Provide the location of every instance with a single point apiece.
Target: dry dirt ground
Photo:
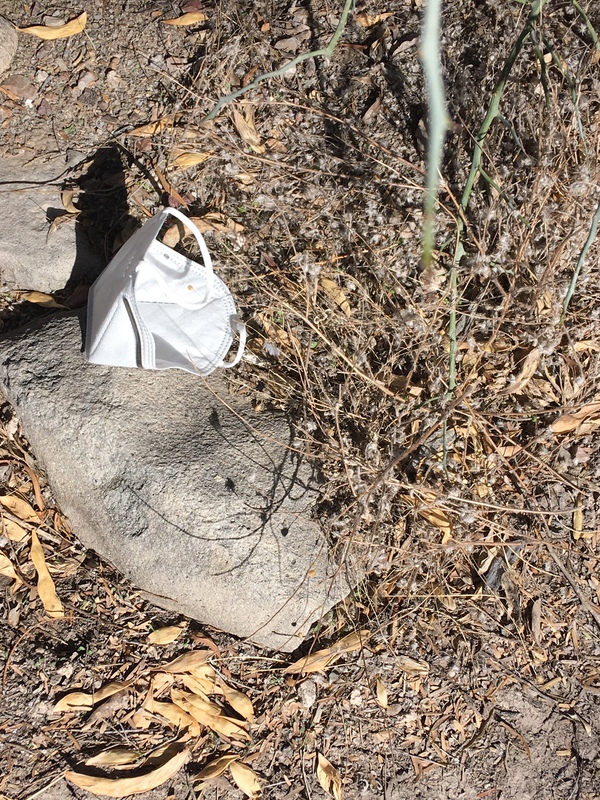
(480, 674)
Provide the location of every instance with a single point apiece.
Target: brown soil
(484, 613)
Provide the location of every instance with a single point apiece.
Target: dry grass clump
(318, 179)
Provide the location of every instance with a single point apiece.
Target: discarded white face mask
(156, 309)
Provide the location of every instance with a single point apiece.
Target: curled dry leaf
(123, 787)
(166, 635)
(329, 777)
(576, 420)
(85, 701)
(70, 28)
(216, 767)
(246, 779)
(41, 299)
(45, 585)
(66, 198)
(321, 659)
(338, 296)
(191, 18)
(247, 130)
(20, 508)
(530, 365)
(366, 20)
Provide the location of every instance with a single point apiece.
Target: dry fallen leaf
(66, 198)
(153, 127)
(382, 695)
(211, 221)
(122, 787)
(238, 701)
(247, 130)
(275, 332)
(329, 777)
(41, 299)
(435, 515)
(338, 296)
(174, 715)
(6, 568)
(367, 20)
(185, 160)
(115, 757)
(216, 767)
(530, 365)
(410, 665)
(570, 422)
(215, 221)
(13, 530)
(20, 508)
(45, 585)
(84, 701)
(60, 32)
(166, 635)
(191, 18)
(578, 518)
(209, 714)
(187, 662)
(201, 686)
(246, 779)
(319, 660)
(509, 450)
(200, 707)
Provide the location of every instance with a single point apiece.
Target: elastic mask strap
(240, 329)
(201, 243)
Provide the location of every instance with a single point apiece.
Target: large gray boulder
(200, 501)
(32, 256)
(8, 44)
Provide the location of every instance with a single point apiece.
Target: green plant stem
(588, 24)
(580, 261)
(492, 113)
(325, 52)
(494, 107)
(438, 122)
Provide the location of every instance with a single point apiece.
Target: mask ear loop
(202, 245)
(239, 328)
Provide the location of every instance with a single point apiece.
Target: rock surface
(8, 44)
(199, 501)
(32, 256)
